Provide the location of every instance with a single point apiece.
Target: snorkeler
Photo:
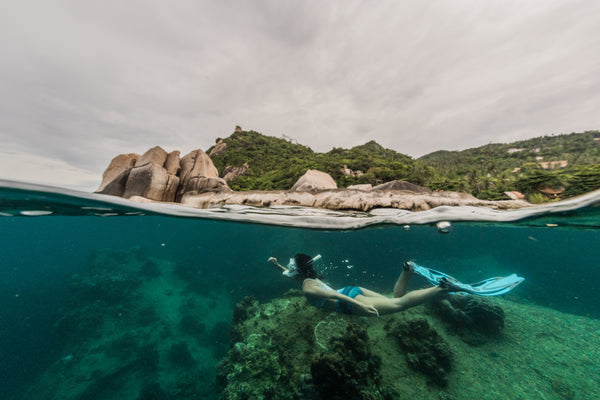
(355, 299)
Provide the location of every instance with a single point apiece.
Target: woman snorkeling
(355, 299)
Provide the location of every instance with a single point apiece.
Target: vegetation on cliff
(563, 165)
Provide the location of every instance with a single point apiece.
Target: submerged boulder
(425, 350)
(474, 319)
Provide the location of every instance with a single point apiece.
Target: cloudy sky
(82, 81)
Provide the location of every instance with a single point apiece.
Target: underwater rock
(308, 353)
(242, 310)
(474, 319)
(425, 350)
(330, 329)
(80, 324)
(349, 370)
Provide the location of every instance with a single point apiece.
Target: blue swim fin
(489, 287)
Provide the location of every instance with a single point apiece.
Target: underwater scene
(102, 298)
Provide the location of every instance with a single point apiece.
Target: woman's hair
(304, 264)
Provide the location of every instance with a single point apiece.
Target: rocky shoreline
(193, 181)
(346, 200)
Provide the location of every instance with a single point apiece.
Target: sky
(82, 81)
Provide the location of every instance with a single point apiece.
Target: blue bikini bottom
(344, 307)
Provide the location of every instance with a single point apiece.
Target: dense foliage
(525, 166)
(486, 171)
(277, 164)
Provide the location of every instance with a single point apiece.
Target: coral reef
(426, 351)
(135, 329)
(349, 370)
(288, 350)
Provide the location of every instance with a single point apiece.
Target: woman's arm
(274, 261)
(314, 289)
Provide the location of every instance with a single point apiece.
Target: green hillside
(526, 166)
(486, 171)
(276, 163)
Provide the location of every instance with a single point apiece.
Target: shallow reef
(142, 328)
(461, 347)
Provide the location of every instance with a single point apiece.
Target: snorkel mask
(292, 268)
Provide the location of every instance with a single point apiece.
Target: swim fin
(488, 287)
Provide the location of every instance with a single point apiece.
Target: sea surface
(73, 264)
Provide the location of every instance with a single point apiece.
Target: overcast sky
(83, 81)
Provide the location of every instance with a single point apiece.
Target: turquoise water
(72, 264)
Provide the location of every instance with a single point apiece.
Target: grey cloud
(84, 81)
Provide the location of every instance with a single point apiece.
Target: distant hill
(563, 165)
(575, 148)
(276, 163)
(567, 163)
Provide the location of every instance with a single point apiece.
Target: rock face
(119, 168)
(344, 199)
(160, 176)
(230, 172)
(220, 148)
(365, 187)
(402, 185)
(314, 180)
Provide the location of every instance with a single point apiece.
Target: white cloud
(41, 170)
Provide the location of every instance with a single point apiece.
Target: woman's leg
(388, 306)
(402, 283)
(370, 293)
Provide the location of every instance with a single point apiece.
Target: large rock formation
(161, 176)
(314, 180)
(194, 181)
(344, 199)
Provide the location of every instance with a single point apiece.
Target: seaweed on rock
(288, 350)
(425, 350)
(474, 319)
(349, 370)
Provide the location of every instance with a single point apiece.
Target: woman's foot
(408, 266)
(449, 285)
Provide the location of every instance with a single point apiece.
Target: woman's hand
(370, 309)
(272, 260)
